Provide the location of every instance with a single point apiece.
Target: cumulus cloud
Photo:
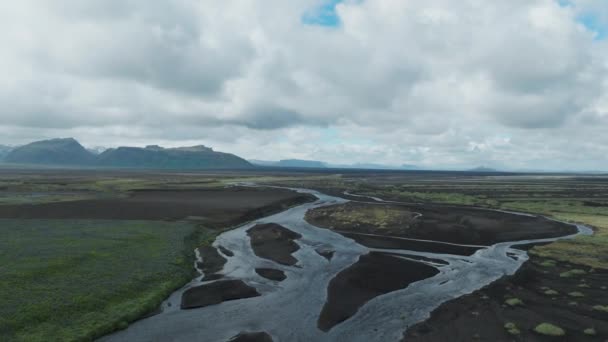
(429, 82)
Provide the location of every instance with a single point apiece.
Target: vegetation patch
(572, 273)
(602, 308)
(512, 328)
(549, 329)
(576, 294)
(514, 302)
(66, 280)
(590, 332)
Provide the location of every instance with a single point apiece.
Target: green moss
(551, 292)
(514, 302)
(602, 308)
(548, 263)
(576, 294)
(512, 328)
(549, 329)
(572, 273)
(590, 332)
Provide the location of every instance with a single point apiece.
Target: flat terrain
(451, 224)
(213, 207)
(85, 253)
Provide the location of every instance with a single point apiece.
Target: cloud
(413, 81)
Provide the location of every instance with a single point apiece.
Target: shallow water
(289, 310)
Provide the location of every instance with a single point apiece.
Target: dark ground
(547, 294)
(212, 263)
(451, 224)
(252, 337)
(216, 293)
(215, 207)
(271, 273)
(373, 275)
(274, 242)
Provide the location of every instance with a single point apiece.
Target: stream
(289, 310)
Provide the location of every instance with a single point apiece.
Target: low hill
(51, 152)
(156, 157)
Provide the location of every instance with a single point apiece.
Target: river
(289, 310)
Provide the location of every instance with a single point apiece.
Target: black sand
(274, 242)
(373, 275)
(271, 273)
(216, 293)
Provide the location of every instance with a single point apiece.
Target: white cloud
(401, 81)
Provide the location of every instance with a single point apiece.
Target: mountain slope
(4, 151)
(51, 152)
(156, 157)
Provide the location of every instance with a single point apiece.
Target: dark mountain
(156, 157)
(51, 152)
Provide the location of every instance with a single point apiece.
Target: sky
(518, 84)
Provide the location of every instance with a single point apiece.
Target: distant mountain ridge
(69, 152)
(299, 163)
(51, 152)
(194, 157)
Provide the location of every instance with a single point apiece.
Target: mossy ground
(77, 280)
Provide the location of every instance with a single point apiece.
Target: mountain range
(69, 152)
(299, 163)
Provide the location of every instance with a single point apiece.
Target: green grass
(380, 216)
(79, 279)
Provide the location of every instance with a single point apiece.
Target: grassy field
(79, 279)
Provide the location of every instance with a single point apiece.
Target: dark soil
(389, 242)
(216, 293)
(482, 315)
(252, 337)
(226, 251)
(373, 275)
(215, 207)
(326, 253)
(454, 224)
(274, 242)
(271, 273)
(213, 261)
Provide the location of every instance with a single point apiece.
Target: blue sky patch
(325, 15)
(591, 21)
